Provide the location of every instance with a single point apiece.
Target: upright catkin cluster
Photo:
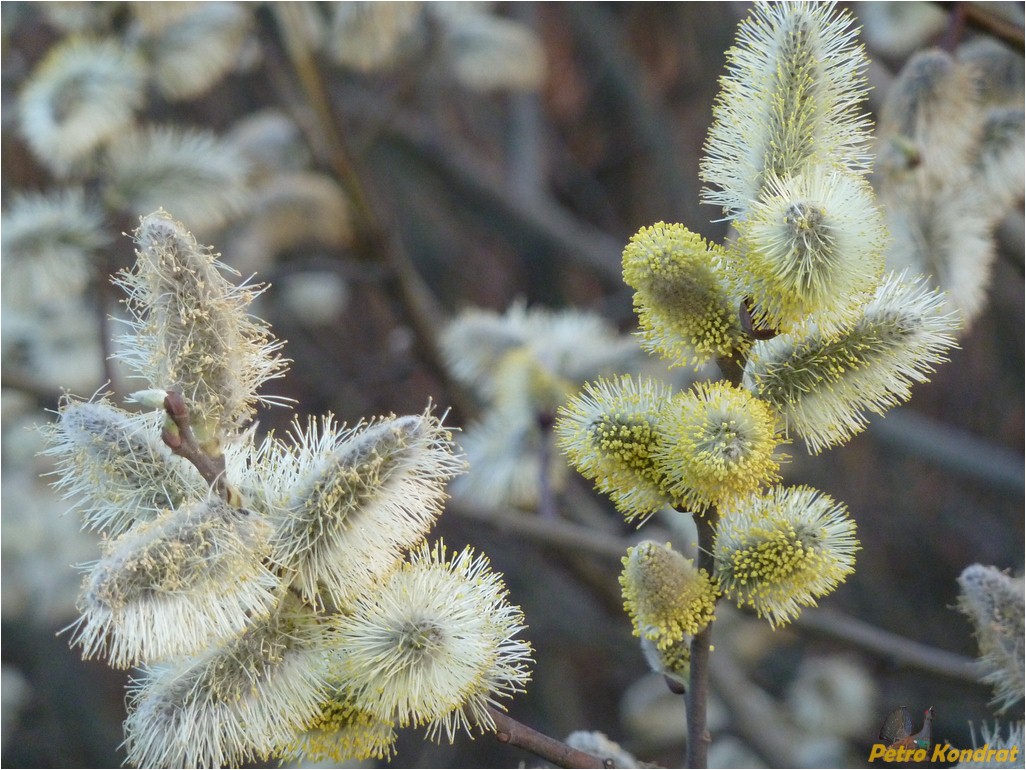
(810, 334)
(278, 597)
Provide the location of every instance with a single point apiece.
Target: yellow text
(943, 752)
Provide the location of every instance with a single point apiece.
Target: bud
(811, 248)
(240, 702)
(569, 344)
(674, 662)
(193, 49)
(115, 464)
(833, 695)
(476, 340)
(291, 210)
(201, 177)
(998, 160)
(340, 733)
(934, 105)
(791, 98)
(83, 94)
(782, 549)
(191, 332)
(166, 588)
(47, 242)
(667, 597)
(487, 52)
(599, 745)
(896, 30)
(523, 383)
(951, 162)
(946, 236)
(151, 398)
(997, 68)
(369, 37)
(823, 386)
(504, 453)
(1008, 737)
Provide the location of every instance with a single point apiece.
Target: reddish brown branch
(509, 730)
(983, 18)
(697, 699)
(182, 441)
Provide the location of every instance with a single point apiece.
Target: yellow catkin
(666, 596)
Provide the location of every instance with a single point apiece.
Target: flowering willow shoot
(808, 332)
(717, 443)
(951, 166)
(264, 587)
(524, 364)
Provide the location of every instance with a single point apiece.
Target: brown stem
(182, 442)
(731, 369)
(898, 649)
(554, 532)
(509, 730)
(982, 18)
(956, 27)
(697, 699)
(540, 218)
(697, 696)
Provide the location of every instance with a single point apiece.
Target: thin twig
(979, 16)
(956, 26)
(891, 646)
(509, 730)
(697, 696)
(951, 449)
(555, 532)
(731, 369)
(375, 242)
(182, 442)
(540, 218)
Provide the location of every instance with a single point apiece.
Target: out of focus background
(387, 167)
